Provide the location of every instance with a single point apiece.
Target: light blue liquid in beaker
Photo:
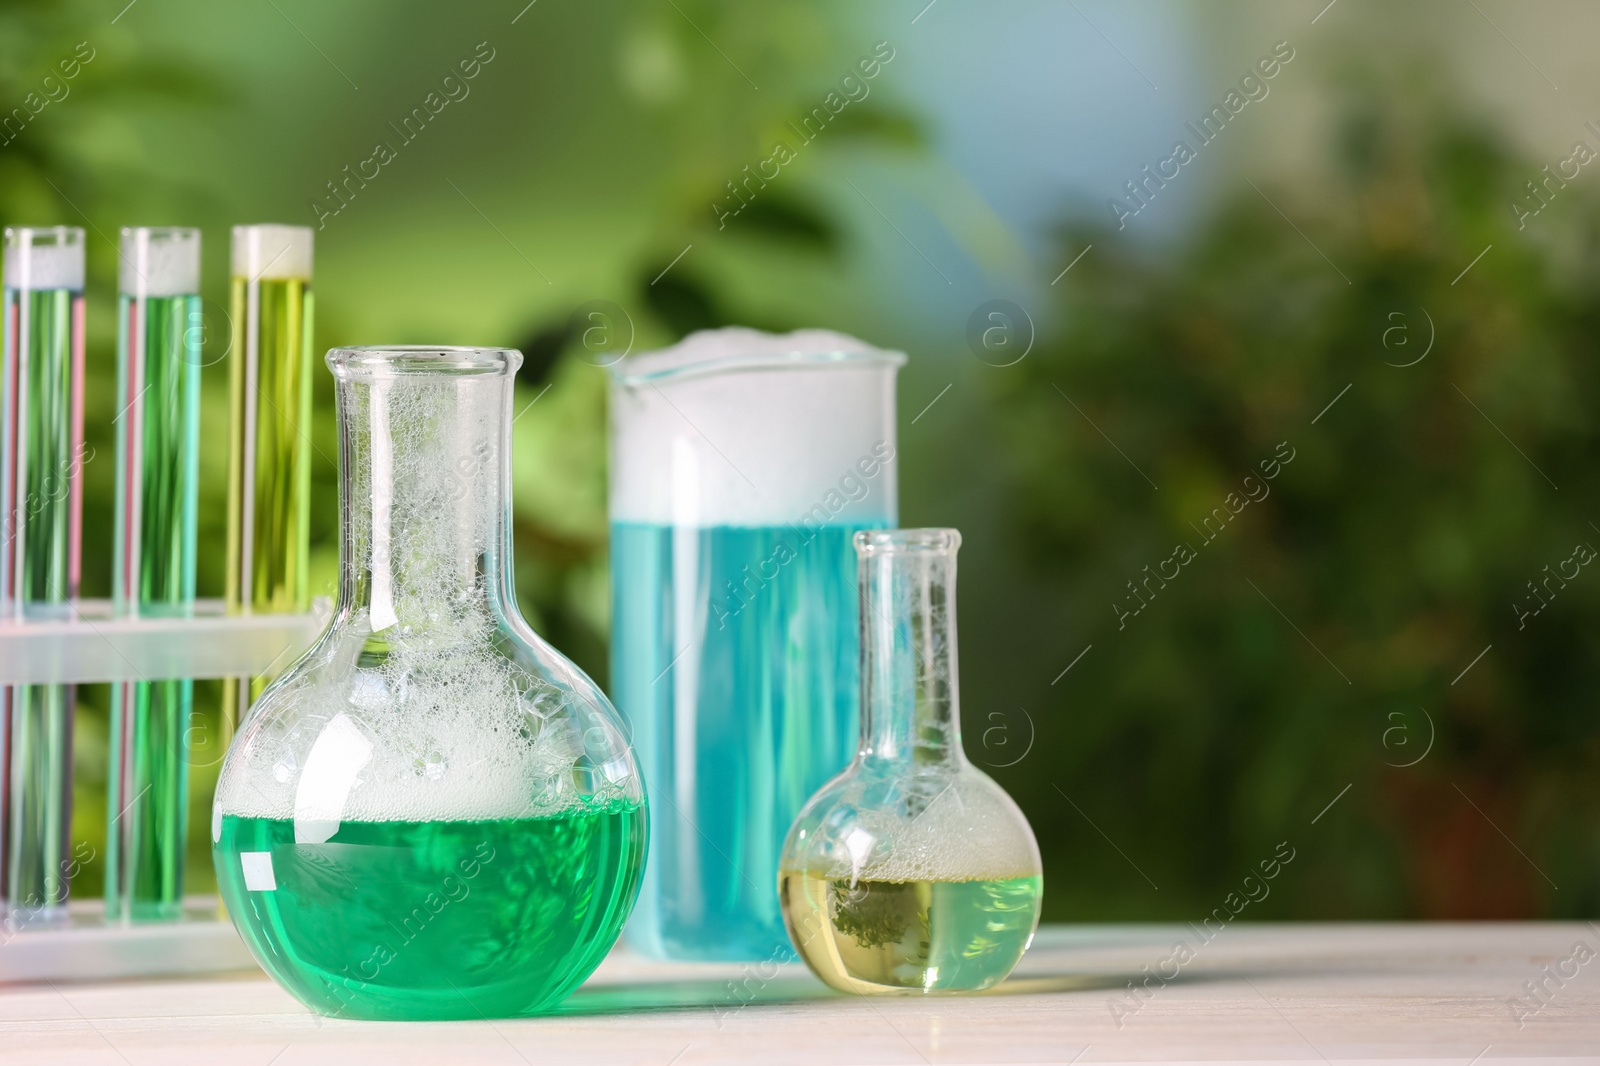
(735, 658)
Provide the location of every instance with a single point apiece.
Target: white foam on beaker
(778, 429)
(708, 345)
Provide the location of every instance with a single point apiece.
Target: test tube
(269, 456)
(159, 331)
(41, 498)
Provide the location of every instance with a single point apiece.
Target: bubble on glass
(432, 765)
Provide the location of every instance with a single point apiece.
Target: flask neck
(910, 691)
(425, 493)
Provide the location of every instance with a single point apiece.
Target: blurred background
(1273, 458)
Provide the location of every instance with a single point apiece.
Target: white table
(1302, 993)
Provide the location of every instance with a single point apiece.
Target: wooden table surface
(1301, 993)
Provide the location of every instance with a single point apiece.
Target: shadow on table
(728, 995)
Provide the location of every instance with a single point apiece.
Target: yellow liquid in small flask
(912, 871)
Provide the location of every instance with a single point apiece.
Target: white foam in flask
(741, 464)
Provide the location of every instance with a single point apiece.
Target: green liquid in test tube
(41, 499)
(269, 464)
(159, 333)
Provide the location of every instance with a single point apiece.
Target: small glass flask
(911, 871)
(432, 814)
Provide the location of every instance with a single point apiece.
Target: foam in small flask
(741, 465)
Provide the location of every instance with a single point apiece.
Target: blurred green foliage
(1315, 643)
(1318, 637)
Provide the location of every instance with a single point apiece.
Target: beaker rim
(791, 360)
(883, 541)
(387, 359)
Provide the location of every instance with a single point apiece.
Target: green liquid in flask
(877, 935)
(402, 921)
(431, 814)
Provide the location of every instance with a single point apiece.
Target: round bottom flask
(912, 871)
(432, 814)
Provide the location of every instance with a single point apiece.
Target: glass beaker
(741, 465)
(912, 871)
(432, 814)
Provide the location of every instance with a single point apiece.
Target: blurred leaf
(784, 219)
(891, 128)
(681, 302)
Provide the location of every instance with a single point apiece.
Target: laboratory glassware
(432, 814)
(912, 871)
(269, 456)
(159, 333)
(742, 463)
(41, 498)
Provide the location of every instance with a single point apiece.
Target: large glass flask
(912, 871)
(432, 814)
(742, 463)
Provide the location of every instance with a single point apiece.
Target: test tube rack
(93, 646)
